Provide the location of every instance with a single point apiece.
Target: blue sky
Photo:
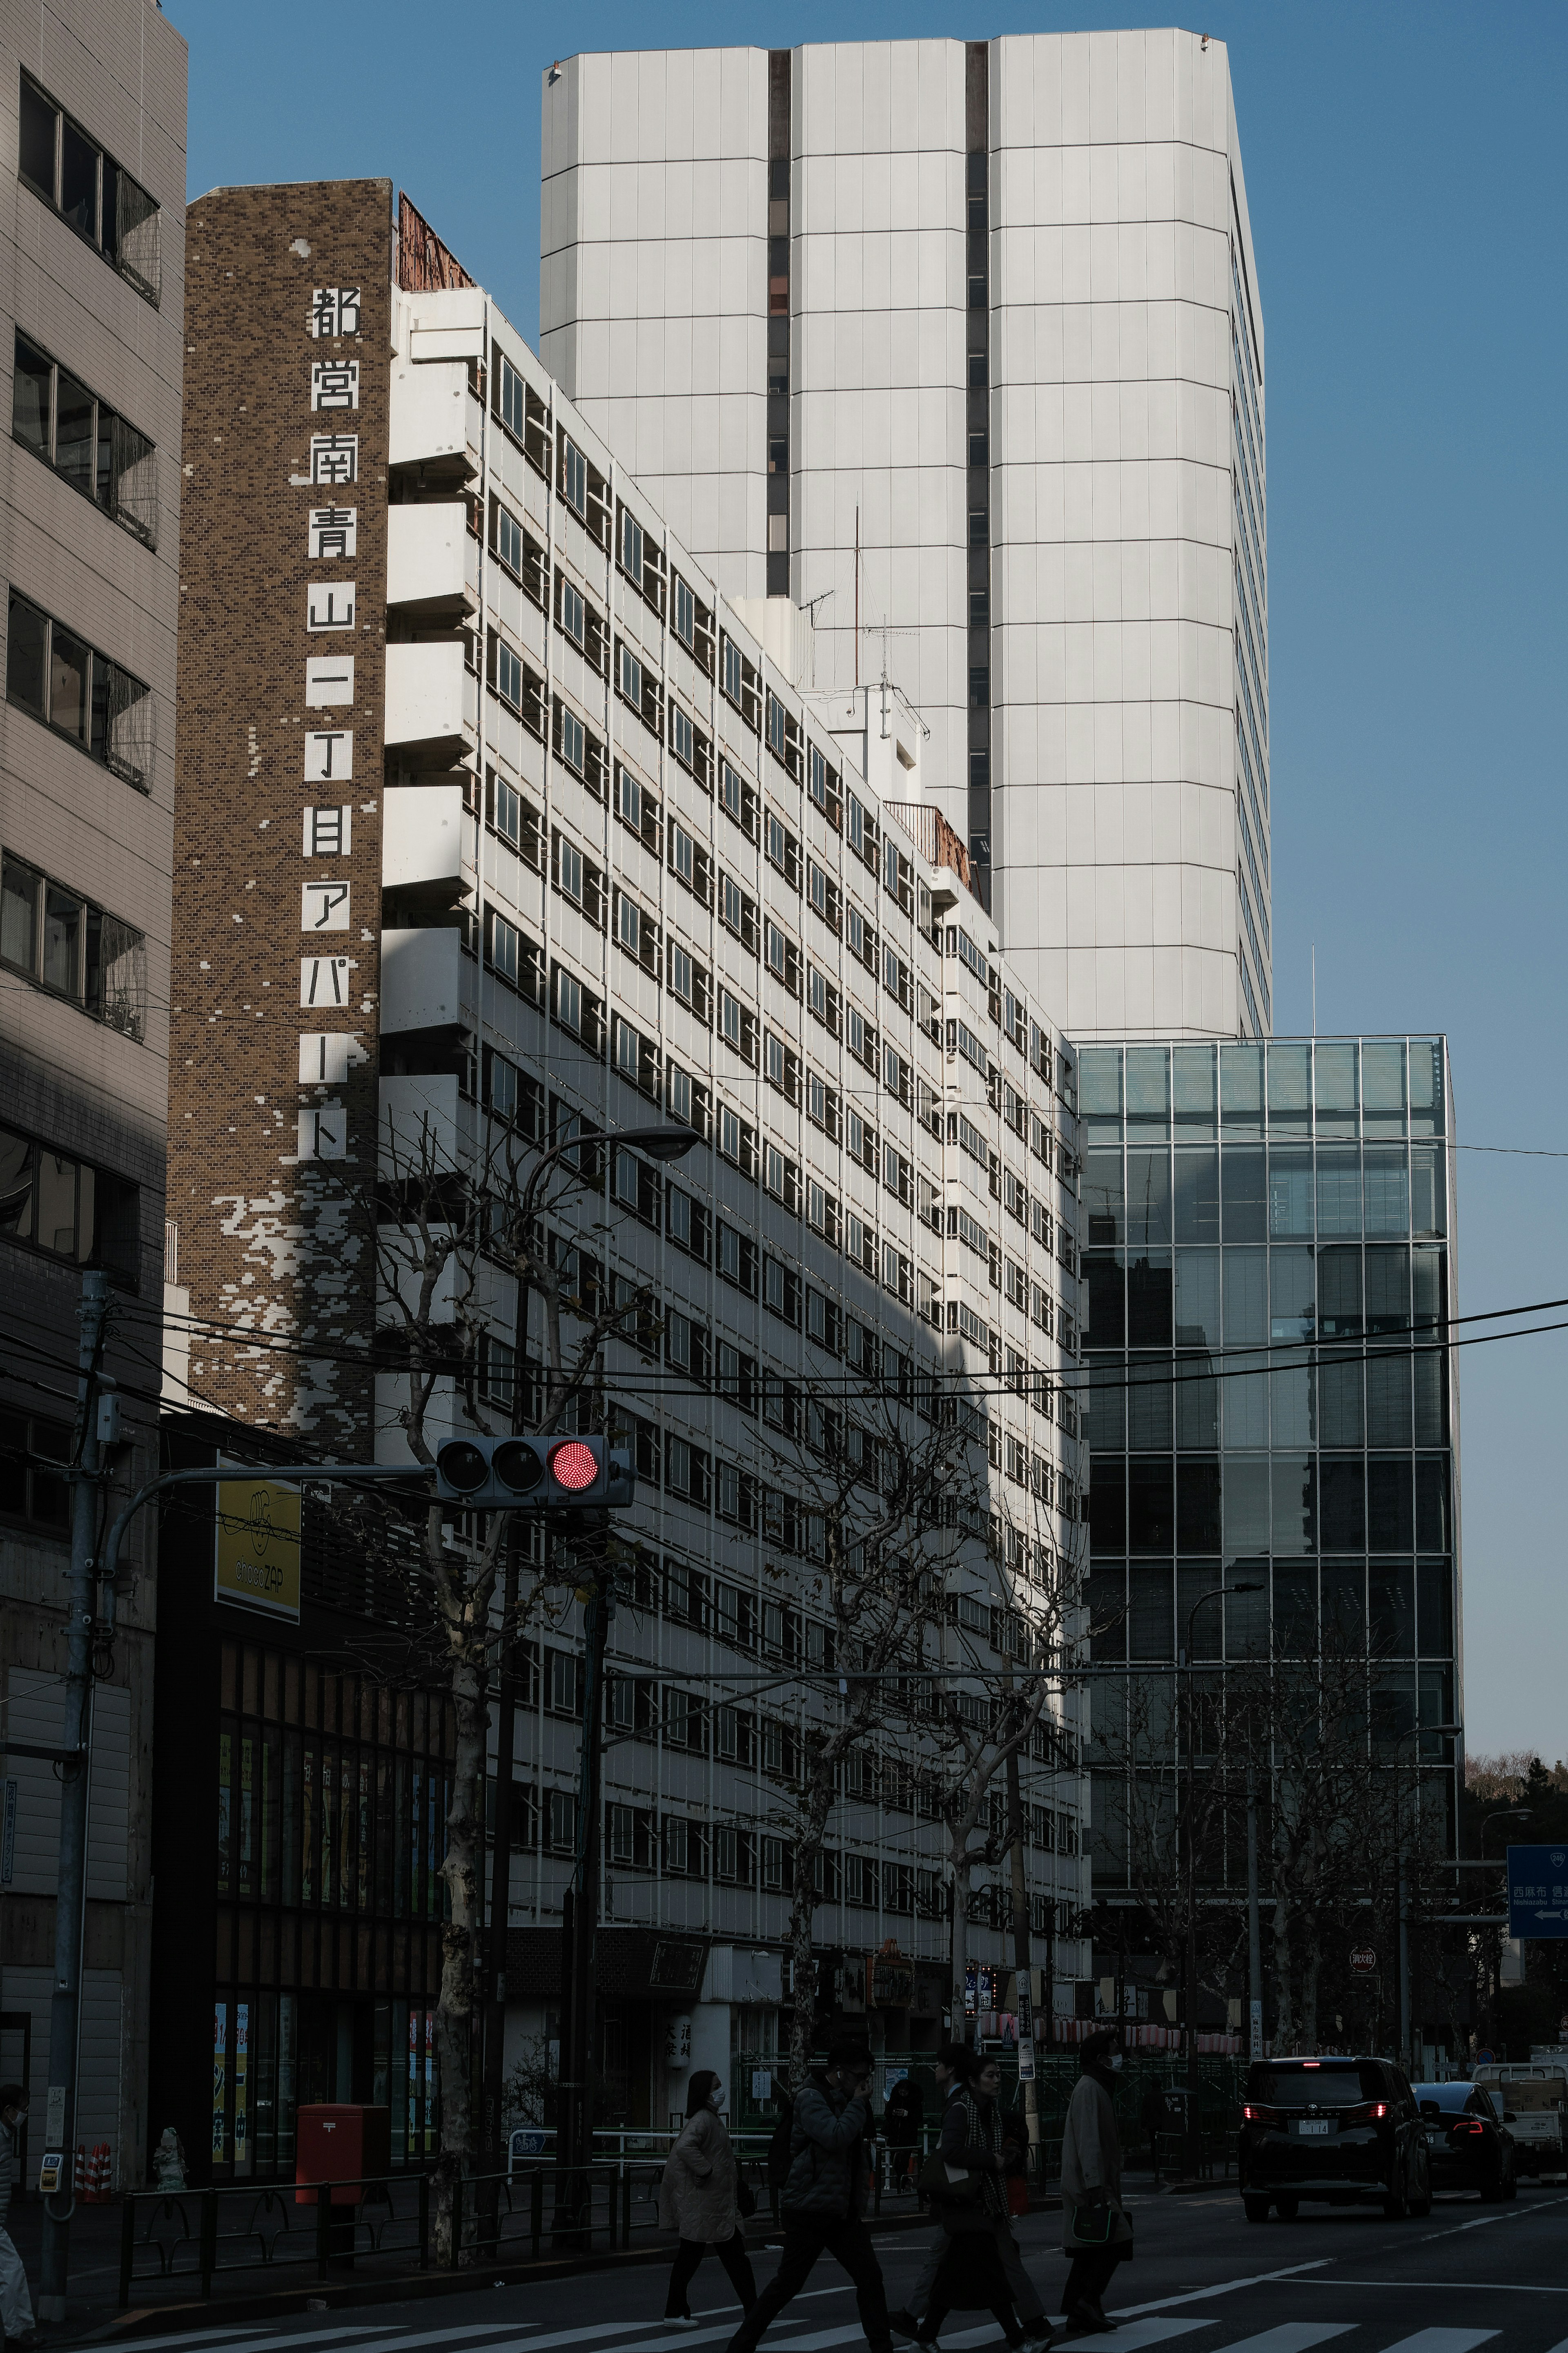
(1409, 222)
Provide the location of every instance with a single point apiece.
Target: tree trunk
(1284, 1983)
(803, 1907)
(460, 1870)
(960, 1863)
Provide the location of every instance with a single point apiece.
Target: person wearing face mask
(15, 2303)
(1095, 2232)
(972, 2140)
(699, 2197)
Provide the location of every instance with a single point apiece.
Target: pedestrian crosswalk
(802, 2330)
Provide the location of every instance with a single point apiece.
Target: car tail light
(1370, 2112)
(1468, 2124)
(1254, 2112)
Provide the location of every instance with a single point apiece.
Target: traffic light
(533, 1474)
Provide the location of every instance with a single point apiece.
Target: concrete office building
(496, 814)
(995, 302)
(93, 166)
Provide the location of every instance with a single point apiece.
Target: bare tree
(448, 1241)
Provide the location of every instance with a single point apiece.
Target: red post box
(343, 2143)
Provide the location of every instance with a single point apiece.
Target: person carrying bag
(702, 2197)
(1096, 2231)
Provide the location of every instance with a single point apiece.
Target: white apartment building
(993, 307)
(619, 863)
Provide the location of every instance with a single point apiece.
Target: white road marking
(1292, 2337)
(1147, 2332)
(1485, 2287)
(1442, 2340)
(1221, 2287)
(248, 2344)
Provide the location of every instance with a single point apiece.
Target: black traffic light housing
(533, 1474)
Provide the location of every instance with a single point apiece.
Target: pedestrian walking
(901, 2124)
(1096, 2231)
(971, 2142)
(16, 2323)
(701, 2197)
(823, 2201)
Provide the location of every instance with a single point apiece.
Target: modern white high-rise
(995, 305)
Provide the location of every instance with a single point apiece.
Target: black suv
(1467, 2145)
(1346, 2131)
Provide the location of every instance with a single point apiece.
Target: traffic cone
(98, 2175)
(79, 2178)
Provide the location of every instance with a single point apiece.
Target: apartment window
(577, 1008)
(636, 1059)
(68, 1210)
(783, 959)
(821, 1106)
(574, 478)
(823, 894)
(783, 736)
(59, 420)
(629, 677)
(631, 549)
(862, 938)
(513, 818)
(823, 1000)
(68, 946)
(739, 681)
(738, 1141)
(637, 808)
(738, 799)
(737, 1260)
(90, 192)
(782, 850)
(782, 1069)
(681, 736)
(505, 677)
(80, 692)
(738, 1025)
(569, 737)
(573, 615)
(31, 1488)
(823, 786)
(738, 912)
(683, 614)
(506, 538)
(689, 864)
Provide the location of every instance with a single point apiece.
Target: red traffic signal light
(538, 1474)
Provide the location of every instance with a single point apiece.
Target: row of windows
(1286, 1503)
(55, 415)
(67, 1209)
(72, 948)
(1375, 1087)
(91, 192)
(80, 692)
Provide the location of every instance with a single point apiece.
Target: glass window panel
(26, 656)
(1107, 1301)
(1390, 1503)
(1428, 1190)
(39, 125)
(1103, 1203)
(1197, 1298)
(1295, 1608)
(1435, 1609)
(1382, 1086)
(17, 1168)
(1200, 1613)
(68, 683)
(62, 940)
(1425, 1087)
(1106, 1423)
(1292, 1294)
(1335, 1083)
(1341, 1489)
(19, 915)
(1198, 1196)
(1148, 1196)
(1290, 1193)
(1105, 1599)
(1246, 1297)
(1247, 1517)
(1149, 1401)
(1391, 1609)
(1149, 1299)
(30, 398)
(1344, 1607)
(57, 1204)
(1197, 1403)
(1432, 1528)
(1108, 1504)
(1152, 1611)
(1243, 1195)
(1388, 1189)
(1430, 1368)
(1387, 1289)
(1341, 1390)
(79, 180)
(1292, 1389)
(1294, 1511)
(1241, 1089)
(75, 444)
(1197, 1507)
(1150, 1506)
(1148, 1091)
(1099, 1088)
(1290, 1088)
(1247, 1614)
(1392, 1708)
(1339, 1191)
(1193, 1089)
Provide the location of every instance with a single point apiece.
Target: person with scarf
(976, 2255)
(1095, 2232)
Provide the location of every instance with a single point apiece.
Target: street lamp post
(1184, 1663)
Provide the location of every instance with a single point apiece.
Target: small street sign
(1364, 1961)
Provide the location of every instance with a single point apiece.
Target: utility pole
(1020, 1962)
(70, 1884)
(580, 1914)
(1254, 1939)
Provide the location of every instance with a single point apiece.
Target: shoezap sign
(256, 1559)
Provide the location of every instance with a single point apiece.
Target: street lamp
(1504, 1814)
(1184, 1661)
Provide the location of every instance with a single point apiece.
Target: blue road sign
(1538, 1890)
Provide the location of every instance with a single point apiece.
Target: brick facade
(269, 1240)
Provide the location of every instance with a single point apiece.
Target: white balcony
(435, 418)
(422, 838)
(432, 704)
(432, 559)
(447, 323)
(421, 978)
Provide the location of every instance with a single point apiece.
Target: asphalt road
(1202, 2279)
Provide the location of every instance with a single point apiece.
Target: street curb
(217, 2312)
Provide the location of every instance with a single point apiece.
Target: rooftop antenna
(880, 629)
(857, 600)
(1314, 989)
(810, 605)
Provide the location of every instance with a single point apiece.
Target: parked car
(1343, 2131)
(1533, 2103)
(1468, 2145)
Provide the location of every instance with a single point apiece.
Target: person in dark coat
(1091, 2185)
(971, 2142)
(902, 2120)
(823, 2199)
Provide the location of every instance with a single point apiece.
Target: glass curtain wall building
(1269, 1241)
